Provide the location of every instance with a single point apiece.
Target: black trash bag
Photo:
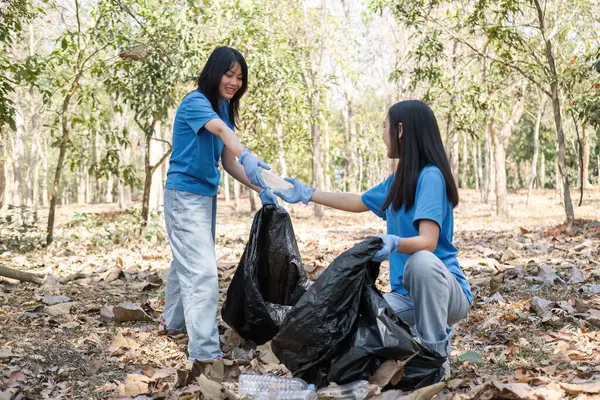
(342, 329)
(269, 279)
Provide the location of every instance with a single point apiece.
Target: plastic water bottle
(269, 387)
(275, 182)
(358, 390)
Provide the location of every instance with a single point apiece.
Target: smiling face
(231, 82)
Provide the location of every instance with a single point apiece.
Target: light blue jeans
(434, 303)
(192, 290)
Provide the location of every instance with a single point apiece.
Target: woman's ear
(400, 131)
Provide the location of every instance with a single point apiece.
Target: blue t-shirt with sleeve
(194, 162)
(432, 203)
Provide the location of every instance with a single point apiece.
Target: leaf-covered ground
(533, 331)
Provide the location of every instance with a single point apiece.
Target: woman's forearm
(341, 201)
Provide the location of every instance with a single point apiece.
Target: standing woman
(203, 133)
(429, 291)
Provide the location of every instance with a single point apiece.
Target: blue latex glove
(252, 165)
(267, 197)
(390, 245)
(300, 192)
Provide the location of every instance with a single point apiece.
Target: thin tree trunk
(327, 159)
(351, 150)
(500, 164)
(281, 150)
(479, 166)
(520, 174)
(317, 167)
(474, 160)
(555, 91)
(80, 182)
(156, 151)
(586, 156)
(19, 157)
(543, 171)
(236, 194)
(455, 156)
(3, 157)
(148, 132)
(45, 174)
(488, 186)
(252, 197)
(536, 145)
(61, 156)
(465, 162)
(226, 180)
(110, 184)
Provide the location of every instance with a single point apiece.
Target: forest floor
(533, 331)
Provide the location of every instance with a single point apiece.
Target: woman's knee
(419, 265)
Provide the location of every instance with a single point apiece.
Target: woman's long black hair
(420, 145)
(221, 60)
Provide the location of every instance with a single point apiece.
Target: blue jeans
(434, 303)
(192, 290)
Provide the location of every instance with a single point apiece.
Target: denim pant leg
(193, 280)
(439, 301)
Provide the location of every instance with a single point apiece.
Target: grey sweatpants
(434, 303)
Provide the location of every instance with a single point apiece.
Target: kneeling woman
(429, 290)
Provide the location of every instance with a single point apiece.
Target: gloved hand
(390, 245)
(267, 197)
(251, 164)
(300, 192)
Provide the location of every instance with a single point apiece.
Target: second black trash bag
(342, 329)
(269, 279)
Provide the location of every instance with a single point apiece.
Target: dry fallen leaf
(95, 366)
(209, 389)
(51, 300)
(390, 371)
(135, 384)
(148, 371)
(128, 311)
(60, 309)
(121, 342)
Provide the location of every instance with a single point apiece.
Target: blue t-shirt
(194, 162)
(432, 203)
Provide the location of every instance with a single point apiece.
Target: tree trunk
(45, 174)
(479, 166)
(3, 157)
(475, 160)
(586, 156)
(351, 150)
(61, 156)
(500, 164)
(226, 184)
(465, 162)
(455, 156)
(488, 187)
(149, 167)
(555, 92)
(252, 197)
(317, 167)
(327, 159)
(519, 174)
(19, 157)
(536, 146)
(543, 171)
(33, 180)
(236, 194)
(281, 150)
(80, 181)
(156, 151)
(147, 173)
(110, 184)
